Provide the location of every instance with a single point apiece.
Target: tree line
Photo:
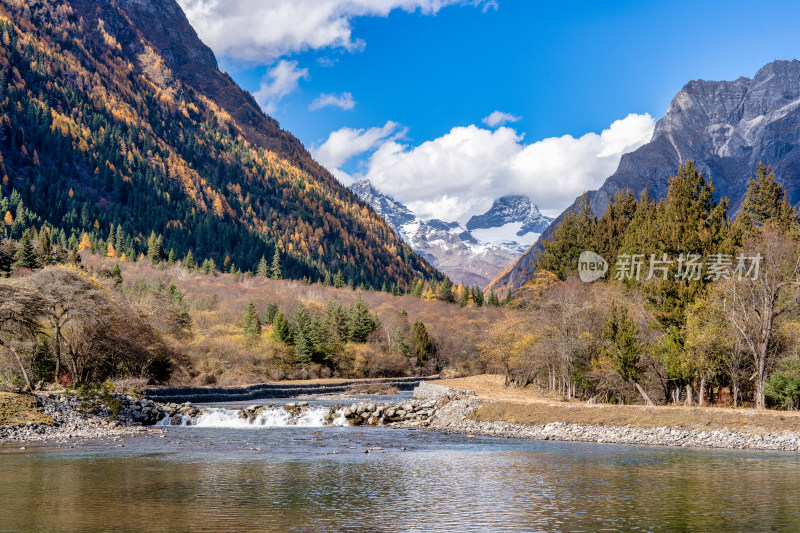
(665, 336)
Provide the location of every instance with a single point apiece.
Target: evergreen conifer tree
(25, 256)
(277, 272)
(263, 268)
(189, 262)
(251, 324)
(423, 344)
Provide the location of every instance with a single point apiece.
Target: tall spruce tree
(263, 268)
(423, 344)
(252, 323)
(277, 272)
(569, 239)
(25, 256)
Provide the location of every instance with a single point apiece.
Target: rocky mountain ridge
(725, 127)
(473, 254)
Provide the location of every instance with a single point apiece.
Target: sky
(449, 104)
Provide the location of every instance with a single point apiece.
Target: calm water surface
(286, 479)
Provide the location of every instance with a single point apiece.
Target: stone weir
(270, 390)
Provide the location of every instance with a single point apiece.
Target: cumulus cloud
(342, 101)
(498, 118)
(346, 143)
(280, 80)
(462, 172)
(264, 30)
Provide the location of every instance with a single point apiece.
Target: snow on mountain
(473, 254)
(395, 213)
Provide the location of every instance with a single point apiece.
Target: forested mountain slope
(116, 122)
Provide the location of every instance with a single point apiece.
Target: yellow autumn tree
(111, 252)
(123, 258)
(509, 344)
(9, 218)
(85, 244)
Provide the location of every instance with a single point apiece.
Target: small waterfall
(216, 417)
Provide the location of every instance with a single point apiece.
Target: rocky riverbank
(455, 416)
(69, 417)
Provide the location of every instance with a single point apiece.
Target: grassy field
(19, 409)
(529, 406)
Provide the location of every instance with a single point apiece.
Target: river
(227, 475)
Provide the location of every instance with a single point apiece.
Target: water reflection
(216, 480)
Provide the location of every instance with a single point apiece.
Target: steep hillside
(117, 122)
(726, 127)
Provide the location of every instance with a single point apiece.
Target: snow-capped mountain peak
(466, 255)
(512, 209)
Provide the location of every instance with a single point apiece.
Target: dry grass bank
(19, 409)
(528, 406)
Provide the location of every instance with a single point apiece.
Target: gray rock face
(509, 210)
(726, 127)
(395, 213)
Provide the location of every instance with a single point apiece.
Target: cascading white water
(216, 417)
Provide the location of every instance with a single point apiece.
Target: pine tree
(419, 286)
(45, 248)
(423, 344)
(766, 202)
(338, 280)
(446, 288)
(569, 239)
(335, 321)
(509, 299)
(328, 279)
(116, 272)
(189, 262)
(251, 324)
(277, 272)
(280, 328)
(270, 312)
(493, 300)
(302, 349)
(477, 296)
(25, 256)
(155, 248)
(263, 268)
(359, 322)
(171, 257)
(623, 347)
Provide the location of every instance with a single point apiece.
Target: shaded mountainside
(115, 115)
(474, 254)
(726, 127)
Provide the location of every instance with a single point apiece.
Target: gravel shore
(72, 422)
(454, 417)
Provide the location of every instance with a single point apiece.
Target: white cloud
(279, 81)
(343, 101)
(264, 30)
(498, 118)
(462, 172)
(345, 143)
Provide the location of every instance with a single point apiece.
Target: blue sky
(414, 80)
